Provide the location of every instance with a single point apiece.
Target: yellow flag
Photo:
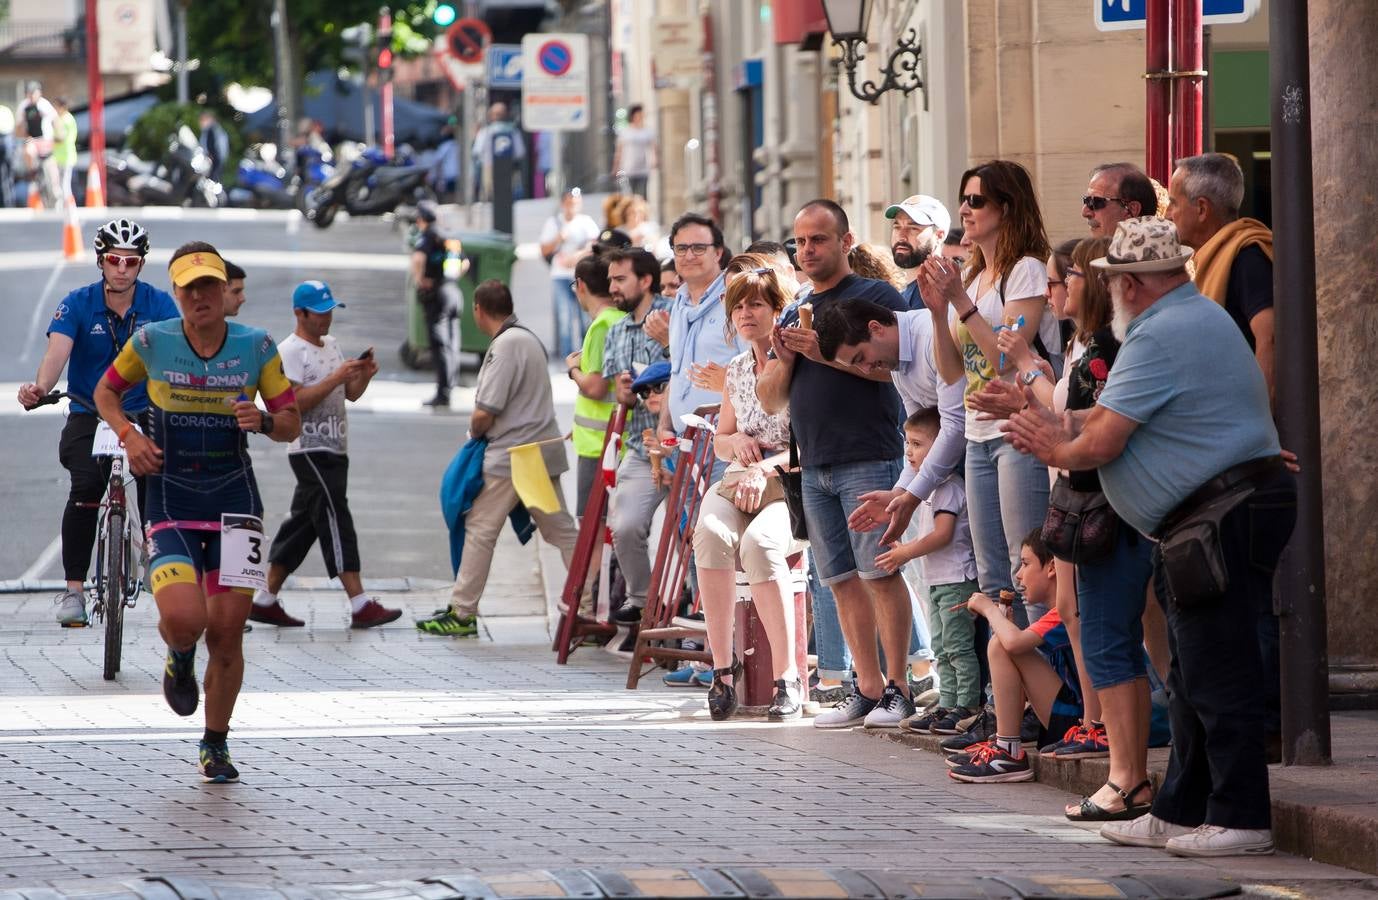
(531, 479)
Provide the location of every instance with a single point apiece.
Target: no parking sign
(555, 82)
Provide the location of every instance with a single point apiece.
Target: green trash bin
(491, 255)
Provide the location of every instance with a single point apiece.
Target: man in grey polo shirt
(1183, 433)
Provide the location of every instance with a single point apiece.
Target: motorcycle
(263, 183)
(367, 186)
(181, 178)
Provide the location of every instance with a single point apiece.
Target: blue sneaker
(683, 677)
(704, 678)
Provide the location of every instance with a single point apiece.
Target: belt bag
(1193, 559)
(1081, 526)
(732, 476)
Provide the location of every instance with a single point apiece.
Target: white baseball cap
(924, 210)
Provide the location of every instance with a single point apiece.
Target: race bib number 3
(243, 552)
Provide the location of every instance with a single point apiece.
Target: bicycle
(121, 560)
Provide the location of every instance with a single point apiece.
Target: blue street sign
(1120, 15)
(503, 67)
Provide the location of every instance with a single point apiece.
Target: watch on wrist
(1028, 378)
(265, 422)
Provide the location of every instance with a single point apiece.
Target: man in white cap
(918, 226)
(1183, 439)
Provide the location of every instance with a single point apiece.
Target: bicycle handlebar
(56, 396)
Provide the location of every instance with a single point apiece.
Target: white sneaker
(853, 710)
(892, 709)
(71, 609)
(1213, 840)
(1145, 831)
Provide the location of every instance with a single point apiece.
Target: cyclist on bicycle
(87, 330)
(203, 374)
(40, 120)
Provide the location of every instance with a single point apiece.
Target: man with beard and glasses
(918, 226)
(634, 285)
(1187, 454)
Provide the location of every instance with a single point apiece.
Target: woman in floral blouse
(744, 515)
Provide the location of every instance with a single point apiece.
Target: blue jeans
(830, 496)
(570, 319)
(1007, 497)
(834, 658)
(1110, 603)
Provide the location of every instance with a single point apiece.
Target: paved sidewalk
(386, 754)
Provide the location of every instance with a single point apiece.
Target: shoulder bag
(792, 484)
(1081, 526)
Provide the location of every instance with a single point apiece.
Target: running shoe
(982, 728)
(179, 681)
(71, 609)
(828, 696)
(922, 721)
(952, 722)
(851, 711)
(965, 755)
(683, 677)
(445, 622)
(993, 765)
(274, 614)
(1088, 743)
(892, 709)
(215, 765)
(372, 614)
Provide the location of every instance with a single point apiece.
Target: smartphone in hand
(367, 354)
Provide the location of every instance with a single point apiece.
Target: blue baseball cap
(314, 296)
(653, 374)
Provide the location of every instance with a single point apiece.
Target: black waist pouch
(1193, 560)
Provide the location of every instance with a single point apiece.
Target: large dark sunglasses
(1096, 204)
(975, 201)
(648, 389)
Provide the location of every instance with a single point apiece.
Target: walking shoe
(179, 681)
(626, 614)
(828, 696)
(1071, 734)
(1029, 727)
(439, 401)
(922, 722)
(71, 609)
(991, 764)
(704, 677)
(1088, 743)
(1212, 840)
(215, 765)
(274, 615)
(981, 730)
(788, 702)
(447, 623)
(951, 723)
(962, 757)
(373, 613)
(851, 711)
(923, 691)
(683, 677)
(892, 709)
(1145, 831)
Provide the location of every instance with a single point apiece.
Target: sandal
(1090, 811)
(722, 697)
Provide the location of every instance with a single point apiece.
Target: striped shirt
(630, 349)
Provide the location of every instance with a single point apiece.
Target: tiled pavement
(388, 754)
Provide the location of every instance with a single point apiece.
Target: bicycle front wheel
(112, 587)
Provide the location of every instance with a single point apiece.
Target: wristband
(124, 432)
(967, 315)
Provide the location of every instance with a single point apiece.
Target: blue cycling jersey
(98, 334)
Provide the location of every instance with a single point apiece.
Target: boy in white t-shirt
(949, 570)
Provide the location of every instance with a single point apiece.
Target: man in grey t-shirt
(512, 406)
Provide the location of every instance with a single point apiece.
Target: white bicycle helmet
(121, 234)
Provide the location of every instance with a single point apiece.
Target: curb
(1328, 834)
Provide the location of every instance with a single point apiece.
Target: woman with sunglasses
(1004, 287)
(744, 515)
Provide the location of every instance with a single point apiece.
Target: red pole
(385, 93)
(1158, 97)
(1186, 89)
(95, 88)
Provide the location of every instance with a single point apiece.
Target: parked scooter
(180, 179)
(367, 186)
(264, 183)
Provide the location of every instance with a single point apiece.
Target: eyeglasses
(975, 201)
(1055, 282)
(122, 262)
(647, 389)
(1095, 204)
(1073, 273)
(695, 249)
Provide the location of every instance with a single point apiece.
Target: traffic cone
(95, 196)
(35, 197)
(71, 233)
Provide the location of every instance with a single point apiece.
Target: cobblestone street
(385, 754)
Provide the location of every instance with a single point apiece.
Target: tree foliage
(234, 40)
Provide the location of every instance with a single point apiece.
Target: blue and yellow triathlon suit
(206, 468)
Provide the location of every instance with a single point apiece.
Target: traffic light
(384, 56)
(444, 14)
